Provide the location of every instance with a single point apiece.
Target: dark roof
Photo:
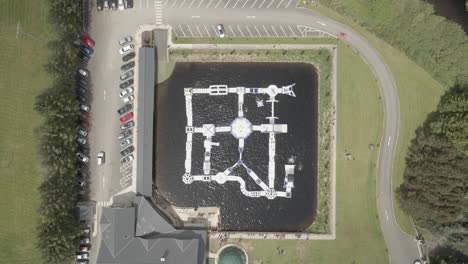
(144, 124)
(121, 245)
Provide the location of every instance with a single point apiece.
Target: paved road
(267, 18)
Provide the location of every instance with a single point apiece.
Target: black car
(124, 109)
(82, 99)
(126, 84)
(125, 134)
(127, 151)
(127, 66)
(129, 56)
(86, 50)
(129, 4)
(83, 57)
(81, 90)
(127, 125)
(99, 5)
(82, 81)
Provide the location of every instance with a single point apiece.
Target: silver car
(125, 40)
(126, 75)
(126, 142)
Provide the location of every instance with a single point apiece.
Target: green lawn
(359, 239)
(21, 78)
(419, 94)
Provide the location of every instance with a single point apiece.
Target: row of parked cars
(113, 4)
(82, 256)
(127, 95)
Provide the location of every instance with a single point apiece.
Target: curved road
(401, 247)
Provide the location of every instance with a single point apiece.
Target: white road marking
(227, 3)
(195, 16)
(294, 34)
(247, 27)
(389, 139)
(140, 3)
(250, 17)
(242, 33)
(386, 214)
(206, 30)
(17, 29)
(174, 3)
(183, 33)
(191, 33)
(253, 4)
(183, 2)
(218, 3)
(209, 4)
(274, 30)
(191, 3)
(264, 28)
(245, 3)
(201, 2)
(199, 31)
(270, 3)
(321, 23)
(261, 4)
(279, 4)
(258, 32)
(236, 4)
(165, 3)
(283, 31)
(233, 33)
(288, 4)
(147, 3)
(104, 94)
(216, 32)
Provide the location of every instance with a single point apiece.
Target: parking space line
(283, 31)
(183, 2)
(260, 6)
(214, 29)
(165, 2)
(245, 3)
(140, 3)
(294, 34)
(235, 4)
(258, 32)
(288, 3)
(233, 33)
(247, 27)
(209, 4)
(218, 3)
(253, 4)
(227, 3)
(272, 27)
(191, 33)
(206, 31)
(242, 33)
(201, 35)
(183, 33)
(173, 4)
(279, 3)
(147, 3)
(191, 3)
(201, 2)
(270, 3)
(264, 28)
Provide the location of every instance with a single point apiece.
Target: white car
(101, 158)
(82, 157)
(84, 108)
(128, 99)
(220, 29)
(121, 5)
(126, 91)
(125, 40)
(82, 256)
(126, 49)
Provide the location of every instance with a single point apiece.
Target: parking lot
(229, 3)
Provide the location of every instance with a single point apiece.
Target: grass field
(21, 78)
(419, 94)
(359, 239)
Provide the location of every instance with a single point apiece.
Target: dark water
(453, 10)
(239, 212)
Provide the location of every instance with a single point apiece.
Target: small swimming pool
(232, 254)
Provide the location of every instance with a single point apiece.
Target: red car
(86, 40)
(126, 117)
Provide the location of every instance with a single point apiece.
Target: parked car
(125, 40)
(126, 142)
(125, 109)
(82, 157)
(129, 56)
(128, 3)
(101, 157)
(85, 58)
(81, 90)
(126, 117)
(220, 29)
(99, 5)
(84, 249)
(81, 183)
(80, 140)
(82, 256)
(127, 66)
(106, 4)
(82, 81)
(124, 134)
(84, 261)
(83, 72)
(113, 4)
(126, 75)
(126, 159)
(127, 151)
(84, 107)
(121, 5)
(86, 50)
(85, 241)
(126, 49)
(127, 125)
(128, 99)
(127, 91)
(82, 99)
(126, 84)
(82, 132)
(81, 175)
(86, 40)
